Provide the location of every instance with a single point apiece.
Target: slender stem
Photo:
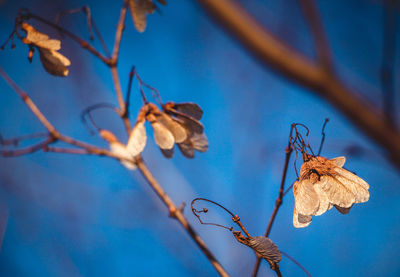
(118, 33)
(28, 101)
(178, 215)
(28, 150)
(278, 203)
(67, 150)
(121, 103)
(276, 54)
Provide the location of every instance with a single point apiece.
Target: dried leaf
(168, 153)
(197, 142)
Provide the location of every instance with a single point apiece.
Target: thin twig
(178, 215)
(290, 63)
(27, 150)
(121, 103)
(278, 202)
(315, 24)
(16, 140)
(67, 150)
(118, 33)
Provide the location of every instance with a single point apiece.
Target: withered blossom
(53, 62)
(324, 184)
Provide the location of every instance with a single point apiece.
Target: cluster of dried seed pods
(54, 63)
(176, 123)
(324, 184)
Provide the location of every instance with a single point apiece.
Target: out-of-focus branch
(315, 24)
(388, 60)
(176, 213)
(273, 52)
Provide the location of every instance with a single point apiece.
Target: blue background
(74, 215)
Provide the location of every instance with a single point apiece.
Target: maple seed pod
(324, 184)
(52, 61)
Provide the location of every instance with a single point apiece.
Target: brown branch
(121, 102)
(278, 203)
(16, 140)
(288, 62)
(315, 24)
(178, 215)
(118, 33)
(27, 150)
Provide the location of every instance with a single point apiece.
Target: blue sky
(67, 215)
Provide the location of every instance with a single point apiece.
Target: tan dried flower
(53, 62)
(324, 184)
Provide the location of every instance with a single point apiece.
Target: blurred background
(76, 215)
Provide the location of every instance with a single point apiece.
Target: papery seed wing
(360, 193)
(54, 63)
(324, 203)
(51, 44)
(266, 248)
(177, 130)
(337, 193)
(137, 139)
(162, 135)
(199, 142)
(168, 153)
(139, 9)
(306, 199)
(343, 210)
(120, 150)
(339, 161)
(32, 35)
(301, 221)
(186, 148)
(352, 177)
(190, 109)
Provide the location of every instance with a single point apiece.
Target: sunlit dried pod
(140, 9)
(54, 63)
(325, 184)
(263, 246)
(136, 143)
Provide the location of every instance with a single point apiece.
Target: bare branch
(286, 61)
(27, 150)
(118, 33)
(178, 215)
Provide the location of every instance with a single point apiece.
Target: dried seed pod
(136, 143)
(263, 246)
(197, 142)
(188, 114)
(325, 184)
(118, 148)
(140, 9)
(53, 62)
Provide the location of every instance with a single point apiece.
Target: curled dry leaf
(53, 62)
(325, 184)
(136, 143)
(140, 9)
